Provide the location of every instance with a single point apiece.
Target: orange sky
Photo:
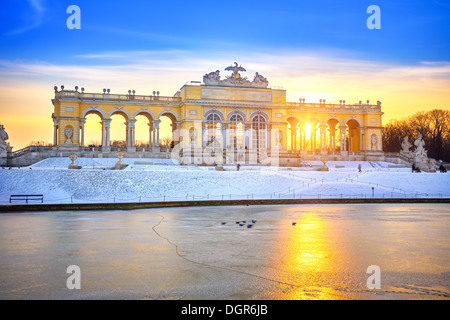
(26, 90)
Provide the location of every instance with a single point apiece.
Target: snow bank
(162, 179)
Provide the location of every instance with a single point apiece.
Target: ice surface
(188, 253)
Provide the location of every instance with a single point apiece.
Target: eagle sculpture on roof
(235, 69)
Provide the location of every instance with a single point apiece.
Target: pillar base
(131, 149)
(106, 149)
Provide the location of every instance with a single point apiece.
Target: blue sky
(412, 30)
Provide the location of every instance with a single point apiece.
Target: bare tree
(166, 142)
(39, 144)
(434, 126)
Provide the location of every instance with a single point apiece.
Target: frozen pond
(189, 253)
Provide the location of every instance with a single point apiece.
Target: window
(237, 131)
(259, 132)
(213, 130)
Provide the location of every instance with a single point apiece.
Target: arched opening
(332, 145)
(167, 129)
(119, 128)
(259, 131)
(354, 136)
(236, 131)
(144, 131)
(312, 127)
(213, 132)
(93, 129)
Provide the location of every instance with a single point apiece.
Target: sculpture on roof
(235, 79)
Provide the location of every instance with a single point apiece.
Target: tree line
(434, 126)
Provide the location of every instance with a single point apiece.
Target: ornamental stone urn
(324, 167)
(73, 166)
(120, 165)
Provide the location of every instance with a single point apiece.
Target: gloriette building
(235, 118)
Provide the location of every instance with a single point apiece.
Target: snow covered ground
(162, 179)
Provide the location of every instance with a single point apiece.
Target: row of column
(247, 139)
(323, 139)
(130, 132)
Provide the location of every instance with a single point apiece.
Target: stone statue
(69, 134)
(420, 151)
(421, 160)
(192, 134)
(259, 79)
(4, 146)
(374, 142)
(406, 146)
(212, 77)
(235, 79)
(236, 75)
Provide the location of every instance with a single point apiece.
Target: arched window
(237, 131)
(213, 130)
(259, 130)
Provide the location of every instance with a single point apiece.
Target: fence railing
(23, 151)
(250, 196)
(113, 97)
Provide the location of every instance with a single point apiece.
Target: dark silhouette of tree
(434, 126)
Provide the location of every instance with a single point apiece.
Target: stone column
(322, 130)
(295, 140)
(127, 134)
(323, 139)
(150, 140)
(103, 134)
(131, 124)
(225, 134)
(303, 146)
(333, 140)
(55, 132)
(106, 143)
(292, 139)
(178, 132)
(343, 131)
(157, 135)
(174, 127)
(300, 138)
(156, 132)
(82, 123)
(361, 133)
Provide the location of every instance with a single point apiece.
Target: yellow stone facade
(224, 117)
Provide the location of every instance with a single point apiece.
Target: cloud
(314, 72)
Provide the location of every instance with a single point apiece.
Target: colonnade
(130, 132)
(323, 137)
